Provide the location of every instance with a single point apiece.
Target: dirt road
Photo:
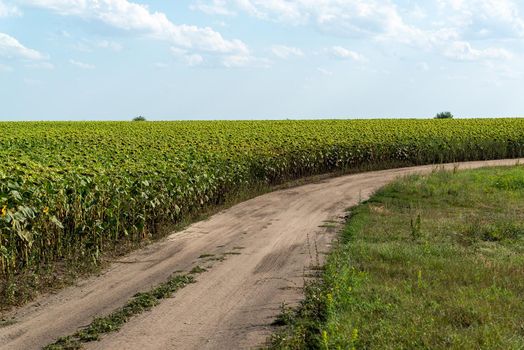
(267, 243)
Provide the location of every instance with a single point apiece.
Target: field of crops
(73, 190)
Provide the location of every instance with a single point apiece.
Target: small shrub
(444, 115)
(139, 119)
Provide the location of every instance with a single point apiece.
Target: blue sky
(259, 59)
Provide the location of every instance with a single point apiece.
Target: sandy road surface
(233, 304)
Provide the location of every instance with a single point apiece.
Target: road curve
(268, 243)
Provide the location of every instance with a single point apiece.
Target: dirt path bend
(269, 242)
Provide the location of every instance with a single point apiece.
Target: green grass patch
(429, 262)
(139, 303)
(197, 269)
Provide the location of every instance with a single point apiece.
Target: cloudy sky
(260, 59)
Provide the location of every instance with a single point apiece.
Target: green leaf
(4, 252)
(25, 235)
(57, 222)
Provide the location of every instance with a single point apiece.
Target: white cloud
(385, 17)
(423, 66)
(228, 61)
(417, 13)
(85, 45)
(281, 10)
(40, 65)
(325, 71)
(349, 17)
(463, 51)
(12, 48)
(367, 19)
(194, 60)
(111, 45)
(64, 33)
(216, 7)
(484, 18)
(130, 16)
(7, 10)
(82, 46)
(81, 65)
(190, 59)
(441, 26)
(343, 53)
(503, 71)
(285, 52)
(236, 61)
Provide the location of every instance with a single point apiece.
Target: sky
(260, 59)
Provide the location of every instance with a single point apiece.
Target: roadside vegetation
(444, 115)
(140, 303)
(73, 192)
(429, 262)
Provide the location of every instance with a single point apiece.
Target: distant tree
(444, 115)
(139, 119)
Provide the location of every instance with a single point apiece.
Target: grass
(198, 269)
(429, 262)
(139, 303)
(203, 256)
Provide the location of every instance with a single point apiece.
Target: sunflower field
(75, 189)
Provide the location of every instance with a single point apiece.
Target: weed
(139, 303)
(7, 322)
(285, 317)
(197, 269)
(415, 225)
